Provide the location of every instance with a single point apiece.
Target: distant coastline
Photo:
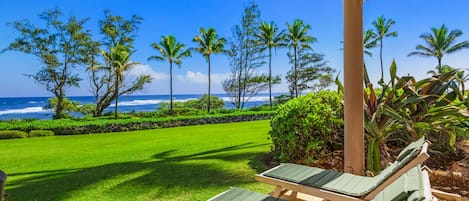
(32, 107)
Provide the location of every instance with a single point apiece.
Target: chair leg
(446, 196)
(278, 191)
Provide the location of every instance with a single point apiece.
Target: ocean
(32, 107)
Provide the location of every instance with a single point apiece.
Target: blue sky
(182, 18)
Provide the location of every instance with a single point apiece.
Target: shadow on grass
(190, 172)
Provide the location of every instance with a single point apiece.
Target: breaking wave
(253, 99)
(24, 110)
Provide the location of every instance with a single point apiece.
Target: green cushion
(339, 182)
(325, 179)
(411, 150)
(407, 187)
(238, 194)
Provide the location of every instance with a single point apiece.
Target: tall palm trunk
(171, 87)
(208, 103)
(295, 74)
(381, 57)
(270, 77)
(439, 64)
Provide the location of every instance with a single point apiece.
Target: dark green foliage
(127, 123)
(67, 106)
(216, 103)
(11, 134)
(86, 109)
(312, 71)
(40, 133)
(305, 128)
(192, 107)
(281, 99)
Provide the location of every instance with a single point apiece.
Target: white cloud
(201, 78)
(143, 69)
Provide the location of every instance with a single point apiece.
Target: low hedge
(40, 133)
(11, 134)
(88, 126)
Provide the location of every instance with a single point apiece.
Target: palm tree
(119, 60)
(270, 37)
(209, 43)
(297, 37)
(438, 43)
(369, 41)
(172, 51)
(382, 27)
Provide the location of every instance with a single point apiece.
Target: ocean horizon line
(181, 94)
(33, 107)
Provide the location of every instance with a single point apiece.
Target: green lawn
(185, 163)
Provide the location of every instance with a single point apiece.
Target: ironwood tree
(313, 72)
(245, 56)
(60, 46)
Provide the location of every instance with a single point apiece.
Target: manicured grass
(184, 163)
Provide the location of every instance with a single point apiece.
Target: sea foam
(252, 99)
(24, 110)
(140, 102)
(150, 102)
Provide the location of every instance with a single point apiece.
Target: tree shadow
(262, 162)
(162, 173)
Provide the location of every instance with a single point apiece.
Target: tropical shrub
(201, 103)
(306, 128)
(40, 133)
(86, 109)
(67, 106)
(281, 99)
(409, 109)
(11, 134)
(191, 107)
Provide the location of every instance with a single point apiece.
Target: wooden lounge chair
(402, 180)
(413, 186)
(404, 177)
(238, 194)
(3, 179)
